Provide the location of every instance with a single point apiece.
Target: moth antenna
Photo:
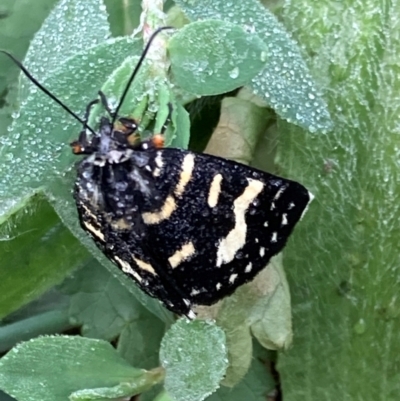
(136, 69)
(46, 91)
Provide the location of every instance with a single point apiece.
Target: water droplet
(234, 73)
(360, 327)
(239, 255)
(205, 213)
(263, 56)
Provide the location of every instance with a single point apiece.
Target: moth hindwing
(189, 228)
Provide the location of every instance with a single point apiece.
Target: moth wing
(221, 221)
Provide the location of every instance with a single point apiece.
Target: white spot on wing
(284, 219)
(274, 237)
(262, 252)
(232, 278)
(248, 268)
(218, 286)
(182, 254)
(194, 292)
(215, 190)
(159, 164)
(191, 315)
(236, 238)
(279, 193)
(266, 224)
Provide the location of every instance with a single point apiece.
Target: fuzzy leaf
(344, 256)
(285, 82)
(51, 368)
(193, 354)
(31, 259)
(212, 57)
(255, 385)
(106, 309)
(16, 31)
(83, 25)
(123, 15)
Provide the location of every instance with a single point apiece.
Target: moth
(188, 228)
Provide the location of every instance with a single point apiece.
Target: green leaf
(51, 368)
(285, 83)
(163, 396)
(83, 25)
(32, 259)
(141, 384)
(147, 101)
(36, 151)
(255, 386)
(263, 305)
(344, 256)
(232, 317)
(46, 314)
(212, 57)
(99, 302)
(106, 309)
(123, 15)
(270, 317)
(16, 31)
(194, 356)
(140, 340)
(180, 138)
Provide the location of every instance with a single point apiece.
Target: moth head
(111, 141)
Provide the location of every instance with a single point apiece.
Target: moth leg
(105, 104)
(82, 146)
(89, 109)
(129, 125)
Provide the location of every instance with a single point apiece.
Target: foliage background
(343, 261)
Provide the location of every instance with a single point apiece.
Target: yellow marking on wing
(186, 174)
(126, 268)
(144, 265)
(184, 253)
(95, 231)
(169, 205)
(164, 213)
(236, 238)
(215, 190)
(121, 224)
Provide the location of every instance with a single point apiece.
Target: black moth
(189, 228)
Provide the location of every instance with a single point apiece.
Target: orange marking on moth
(158, 141)
(77, 148)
